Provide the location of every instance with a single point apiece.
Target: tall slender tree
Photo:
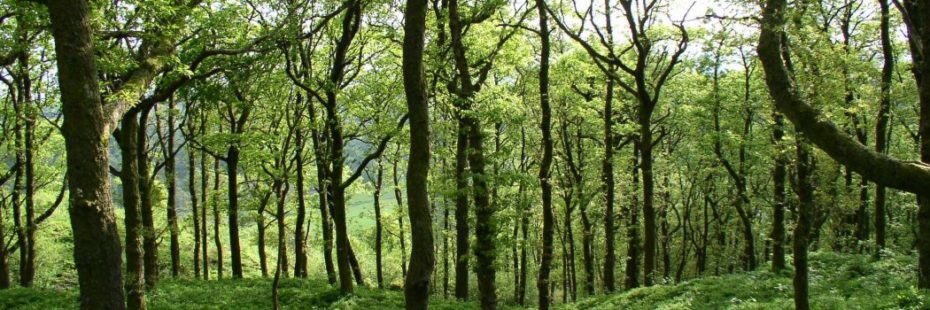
(548, 228)
(417, 282)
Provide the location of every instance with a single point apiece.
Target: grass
(837, 282)
(230, 294)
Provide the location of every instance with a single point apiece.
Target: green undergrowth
(231, 294)
(837, 282)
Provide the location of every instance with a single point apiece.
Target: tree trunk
(515, 257)
(417, 282)
(545, 126)
(632, 228)
(379, 227)
(919, 37)
(172, 192)
(4, 260)
(192, 189)
(666, 239)
(204, 180)
(607, 174)
(323, 192)
(300, 256)
(350, 25)
(649, 212)
(216, 218)
(135, 272)
(232, 168)
(524, 227)
(149, 244)
(445, 250)
(281, 189)
(262, 255)
(881, 122)
(461, 212)
(568, 249)
(28, 265)
(19, 187)
(802, 230)
(400, 222)
(356, 267)
(778, 213)
(587, 250)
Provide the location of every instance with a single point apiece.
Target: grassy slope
(837, 282)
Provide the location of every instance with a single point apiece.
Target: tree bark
(607, 174)
(232, 172)
(24, 83)
(917, 12)
(217, 240)
(86, 131)
(204, 180)
(135, 270)
(300, 256)
(881, 122)
(417, 282)
(4, 256)
(802, 230)
(323, 193)
(649, 212)
(461, 212)
(632, 228)
(778, 213)
(171, 181)
(545, 126)
(192, 189)
(350, 25)
(281, 189)
(4, 260)
(19, 186)
(379, 227)
(400, 222)
(262, 254)
(149, 244)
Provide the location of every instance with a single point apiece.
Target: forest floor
(837, 282)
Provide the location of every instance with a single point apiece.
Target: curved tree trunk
(908, 176)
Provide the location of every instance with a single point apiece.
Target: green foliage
(837, 282)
